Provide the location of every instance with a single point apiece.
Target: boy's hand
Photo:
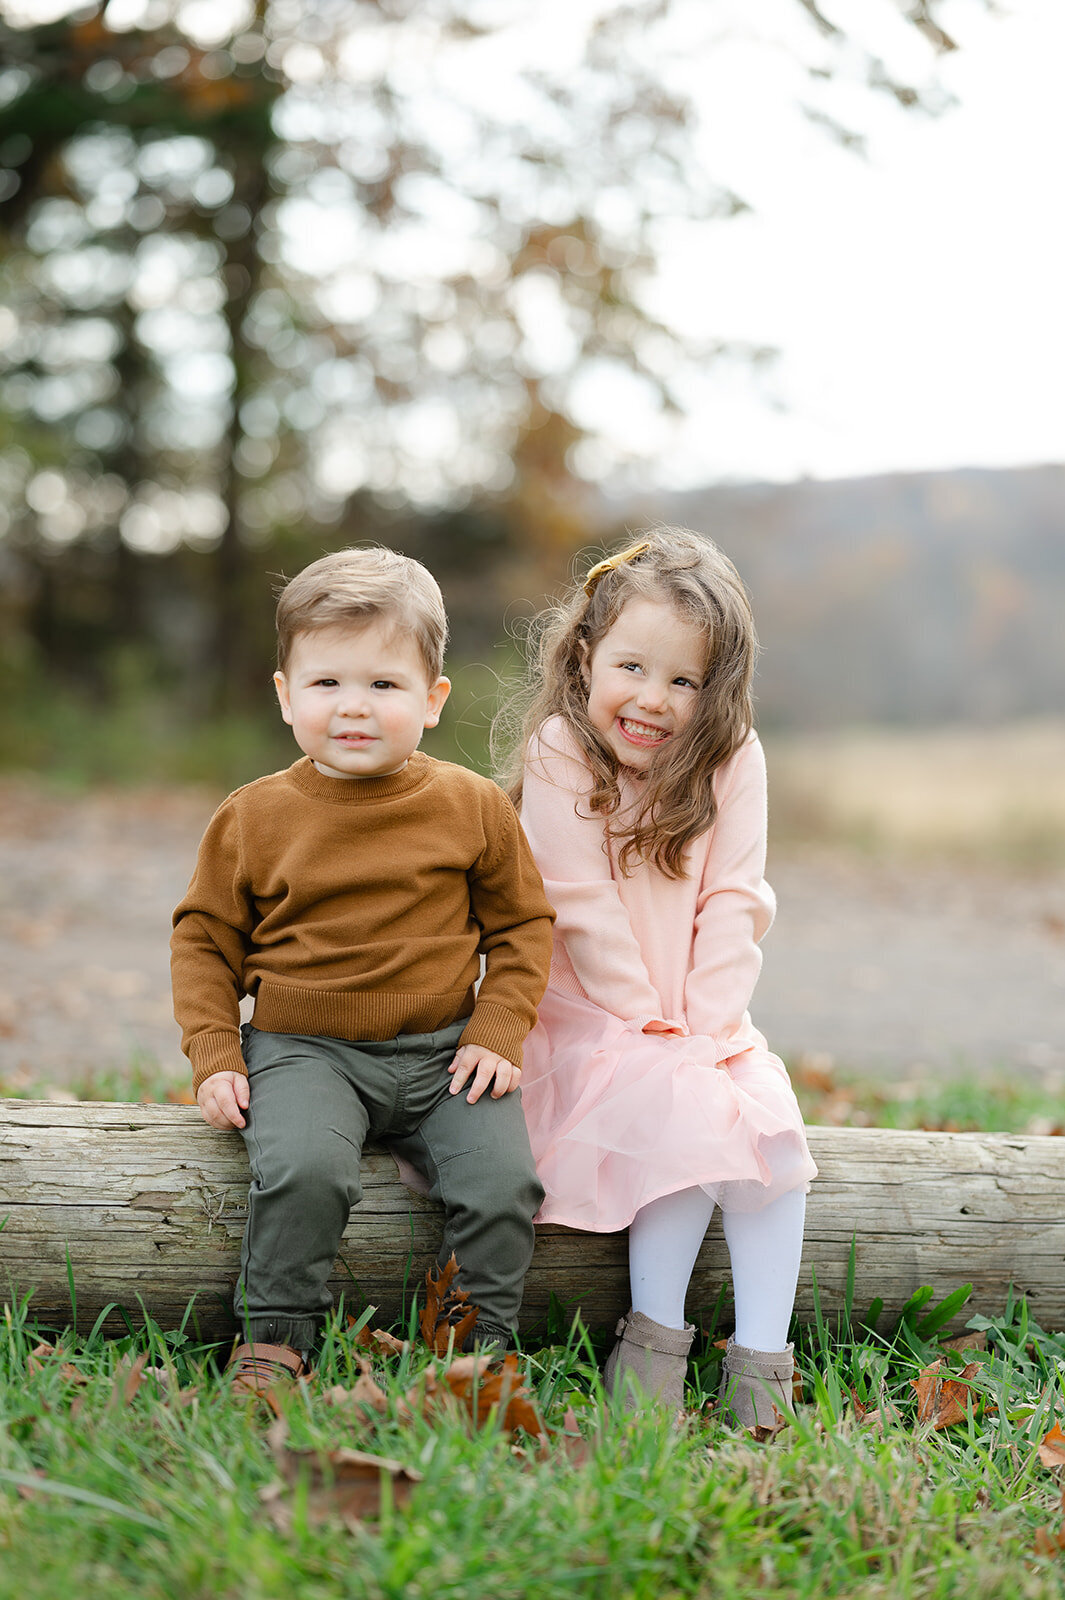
(474, 1061)
(222, 1098)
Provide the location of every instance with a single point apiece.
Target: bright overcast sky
(916, 296)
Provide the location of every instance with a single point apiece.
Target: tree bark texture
(141, 1208)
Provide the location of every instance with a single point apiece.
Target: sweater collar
(355, 791)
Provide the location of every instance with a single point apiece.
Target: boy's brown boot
(656, 1357)
(755, 1387)
(258, 1368)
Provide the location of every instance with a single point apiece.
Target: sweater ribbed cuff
(496, 1028)
(215, 1052)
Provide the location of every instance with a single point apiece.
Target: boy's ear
(281, 685)
(438, 693)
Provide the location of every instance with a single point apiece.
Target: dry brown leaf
(1049, 1542)
(183, 1398)
(364, 1395)
(368, 1392)
(942, 1400)
(568, 1441)
(422, 1396)
(41, 1353)
(1052, 1449)
(485, 1387)
(762, 1433)
(379, 1340)
(37, 1357)
(346, 1484)
(965, 1341)
(481, 1387)
(447, 1318)
(875, 1416)
(129, 1375)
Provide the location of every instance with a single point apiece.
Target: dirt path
(882, 968)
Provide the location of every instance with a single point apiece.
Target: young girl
(649, 1094)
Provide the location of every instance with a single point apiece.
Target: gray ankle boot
(656, 1357)
(756, 1386)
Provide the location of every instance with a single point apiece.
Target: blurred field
(995, 793)
(920, 934)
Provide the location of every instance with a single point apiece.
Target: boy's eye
(325, 683)
(382, 683)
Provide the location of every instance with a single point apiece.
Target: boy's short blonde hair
(359, 586)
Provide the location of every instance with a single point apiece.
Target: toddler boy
(352, 896)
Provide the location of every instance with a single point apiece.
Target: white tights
(764, 1248)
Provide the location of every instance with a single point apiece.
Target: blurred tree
(141, 180)
(275, 270)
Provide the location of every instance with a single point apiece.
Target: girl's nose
(652, 695)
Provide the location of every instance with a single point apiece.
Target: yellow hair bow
(622, 559)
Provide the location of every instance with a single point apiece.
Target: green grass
(151, 1499)
(136, 734)
(140, 1078)
(973, 1103)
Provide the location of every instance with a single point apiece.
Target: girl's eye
(689, 683)
(630, 666)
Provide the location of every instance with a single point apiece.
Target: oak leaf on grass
(42, 1353)
(379, 1341)
(349, 1485)
(1051, 1541)
(447, 1317)
(1052, 1449)
(942, 1400)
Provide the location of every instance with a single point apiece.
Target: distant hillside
(923, 597)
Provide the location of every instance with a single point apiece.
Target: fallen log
(141, 1207)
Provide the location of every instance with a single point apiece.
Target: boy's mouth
(642, 733)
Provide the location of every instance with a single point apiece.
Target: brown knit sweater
(358, 909)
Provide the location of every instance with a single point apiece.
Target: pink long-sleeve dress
(619, 1116)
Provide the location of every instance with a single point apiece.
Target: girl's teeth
(642, 730)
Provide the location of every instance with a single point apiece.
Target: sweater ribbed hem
(355, 1014)
(360, 1016)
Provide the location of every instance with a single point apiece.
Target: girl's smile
(642, 733)
(642, 679)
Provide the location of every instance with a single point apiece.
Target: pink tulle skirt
(618, 1118)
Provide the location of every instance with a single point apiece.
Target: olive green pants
(314, 1102)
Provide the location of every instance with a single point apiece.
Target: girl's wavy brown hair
(691, 574)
